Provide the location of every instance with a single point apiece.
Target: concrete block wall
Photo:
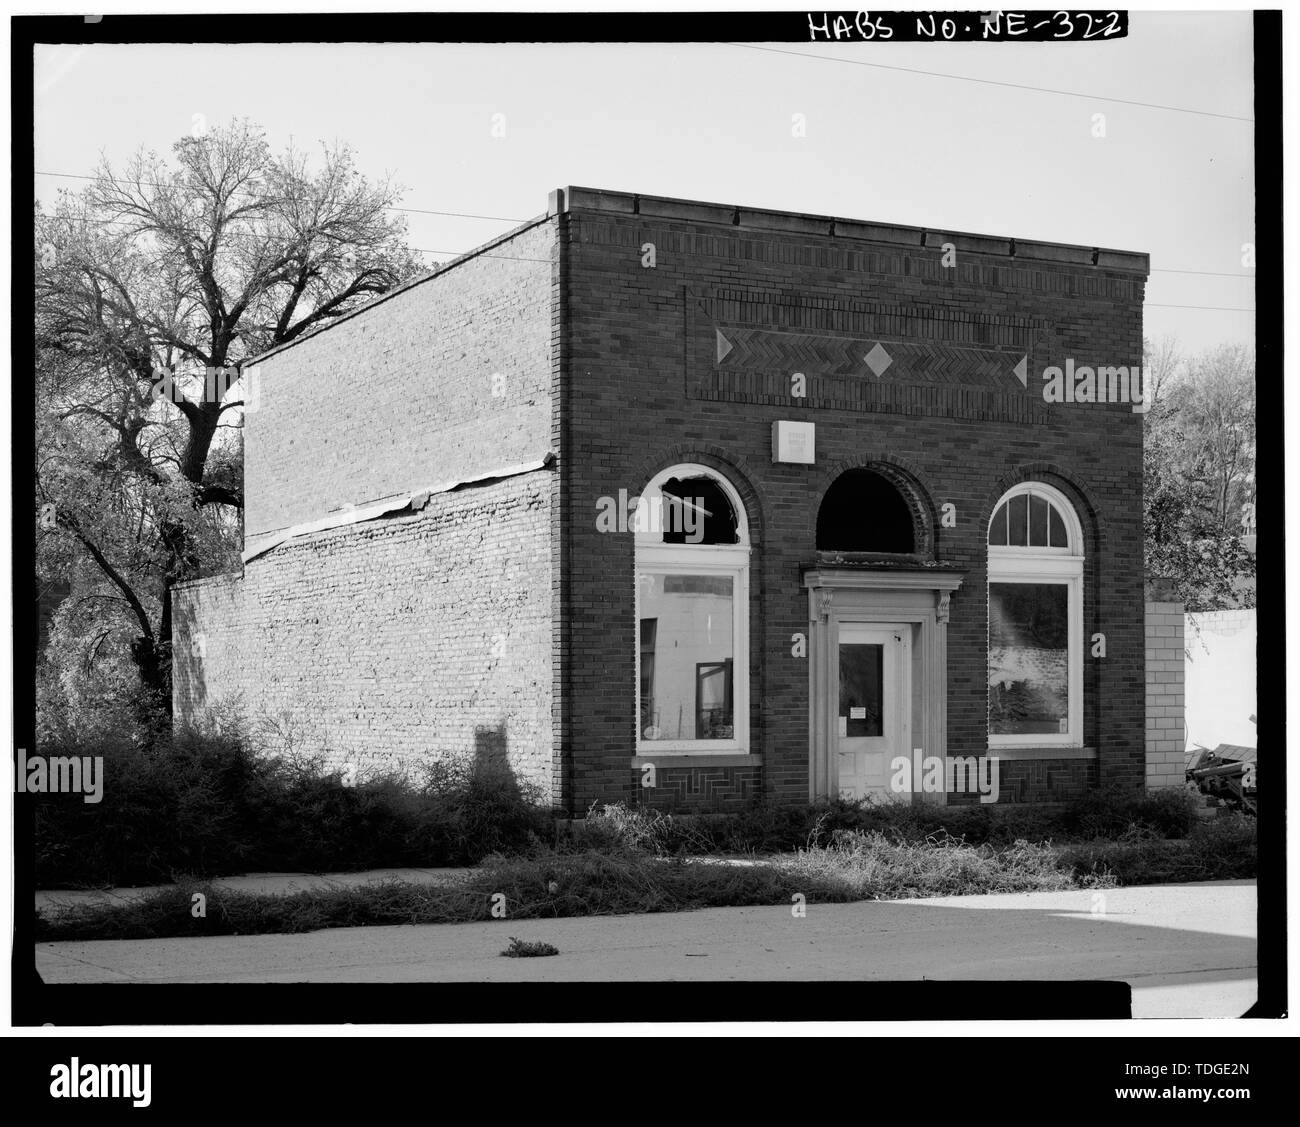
(1166, 736)
(391, 643)
(644, 390)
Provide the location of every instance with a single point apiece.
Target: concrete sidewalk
(1187, 950)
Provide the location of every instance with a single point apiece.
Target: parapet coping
(574, 198)
(414, 502)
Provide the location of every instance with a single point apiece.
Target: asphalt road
(1187, 950)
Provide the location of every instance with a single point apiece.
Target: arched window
(1035, 620)
(692, 600)
(863, 511)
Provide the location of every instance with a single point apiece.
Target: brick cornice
(742, 219)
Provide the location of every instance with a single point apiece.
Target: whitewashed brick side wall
(1166, 733)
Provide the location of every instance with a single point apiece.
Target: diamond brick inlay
(745, 345)
(761, 348)
(929, 362)
(878, 360)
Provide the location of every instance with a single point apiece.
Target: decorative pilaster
(827, 599)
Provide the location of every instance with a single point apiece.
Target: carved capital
(942, 607)
(827, 598)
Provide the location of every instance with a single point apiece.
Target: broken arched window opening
(701, 508)
(863, 511)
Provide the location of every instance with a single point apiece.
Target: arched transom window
(692, 599)
(1035, 550)
(863, 511)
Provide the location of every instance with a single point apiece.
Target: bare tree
(1199, 475)
(168, 276)
(1217, 404)
(1163, 360)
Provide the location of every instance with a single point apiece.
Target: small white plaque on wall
(793, 442)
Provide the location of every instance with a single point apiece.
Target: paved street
(1187, 950)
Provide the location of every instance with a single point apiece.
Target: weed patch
(551, 884)
(523, 949)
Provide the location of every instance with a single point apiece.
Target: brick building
(736, 501)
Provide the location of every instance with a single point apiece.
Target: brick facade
(646, 391)
(622, 370)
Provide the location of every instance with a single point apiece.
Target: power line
(990, 82)
(508, 219)
(411, 210)
(238, 237)
(228, 237)
(513, 258)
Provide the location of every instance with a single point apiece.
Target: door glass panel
(862, 689)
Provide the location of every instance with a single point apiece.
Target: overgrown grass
(766, 828)
(849, 865)
(1222, 848)
(213, 804)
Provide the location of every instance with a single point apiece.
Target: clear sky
(714, 122)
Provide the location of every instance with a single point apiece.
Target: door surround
(872, 595)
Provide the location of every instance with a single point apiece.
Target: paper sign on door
(844, 725)
(858, 713)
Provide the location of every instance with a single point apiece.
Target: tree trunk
(202, 429)
(153, 661)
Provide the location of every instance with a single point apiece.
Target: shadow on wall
(491, 764)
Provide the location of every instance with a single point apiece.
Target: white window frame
(1007, 564)
(652, 555)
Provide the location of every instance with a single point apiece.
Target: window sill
(696, 759)
(1043, 751)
